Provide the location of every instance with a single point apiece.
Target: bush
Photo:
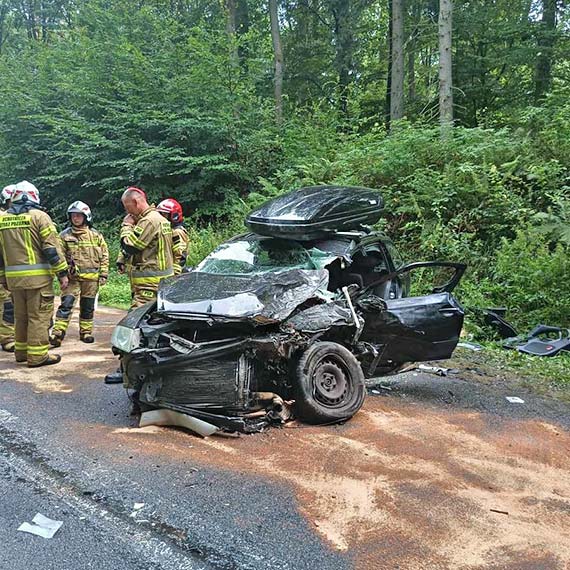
(529, 276)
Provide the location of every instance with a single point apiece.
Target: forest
(458, 110)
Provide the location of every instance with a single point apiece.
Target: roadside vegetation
(187, 99)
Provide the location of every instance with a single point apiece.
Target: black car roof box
(317, 211)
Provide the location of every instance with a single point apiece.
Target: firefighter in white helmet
(6, 304)
(30, 255)
(88, 259)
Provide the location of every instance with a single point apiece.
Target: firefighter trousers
(6, 317)
(86, 291)
(142, 294)
(33, 309)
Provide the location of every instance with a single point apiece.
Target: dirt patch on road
(409, 487)
(90, 361)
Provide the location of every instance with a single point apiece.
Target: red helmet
(173, 210)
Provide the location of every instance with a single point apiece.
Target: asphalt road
(432, 473)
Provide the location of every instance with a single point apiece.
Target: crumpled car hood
(265, 296)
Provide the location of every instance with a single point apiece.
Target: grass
(116, 292)
(494, 364)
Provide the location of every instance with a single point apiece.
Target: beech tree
(445, 64)
(278, 60)
(545, 44)
(397, 61)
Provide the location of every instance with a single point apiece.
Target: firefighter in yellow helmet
(30, 255)
(172, 211)
(87, 255)
(6, 304)
(146, 247)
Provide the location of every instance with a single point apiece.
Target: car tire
(329, 384)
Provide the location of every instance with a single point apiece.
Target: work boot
(56, 338)
(51, 359)
(9, 346)
(86, 337)
(114, 377)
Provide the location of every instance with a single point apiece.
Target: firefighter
(6, 304)
(146, 252)
(172, 211)
(87, 255)
(30, 254)
(146, 247)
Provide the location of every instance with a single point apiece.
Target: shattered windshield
(256, 255)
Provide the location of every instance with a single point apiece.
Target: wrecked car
(289, 318)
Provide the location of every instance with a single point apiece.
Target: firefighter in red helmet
(172, 211)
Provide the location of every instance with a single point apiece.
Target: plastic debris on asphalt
(438, 370)
(136, 508)
(41, 526)
(470, 345)
(515, 400)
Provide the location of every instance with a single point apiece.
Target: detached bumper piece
(223, 423)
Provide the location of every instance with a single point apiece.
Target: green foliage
(116, 292)
(160, 94)
(132, 97)
(529, 276)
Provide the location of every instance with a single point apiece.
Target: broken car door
(416, 328)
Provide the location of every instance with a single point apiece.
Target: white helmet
(79, 207)
(7, 192)
(26, 192)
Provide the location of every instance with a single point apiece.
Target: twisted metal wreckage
(286, 321)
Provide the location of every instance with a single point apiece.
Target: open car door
(416, 328)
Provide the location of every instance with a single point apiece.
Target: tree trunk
(278, 60)
(397, 72)
(231, 31)
(388, 102)
(412, 72)
(445, 67)
(412, 50)
(242, 29)
(546, 40)
(344, 46)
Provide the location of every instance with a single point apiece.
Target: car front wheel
(330, 384)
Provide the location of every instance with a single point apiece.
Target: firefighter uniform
(30, 255)
(179, 247)
(6, 320)
(6, 316)
(87, 255)
(147, 247)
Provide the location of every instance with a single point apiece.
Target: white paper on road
(41, 526)
(515, 399)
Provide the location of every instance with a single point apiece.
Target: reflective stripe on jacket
(86, 253)
(151, 238)
(30, 250)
